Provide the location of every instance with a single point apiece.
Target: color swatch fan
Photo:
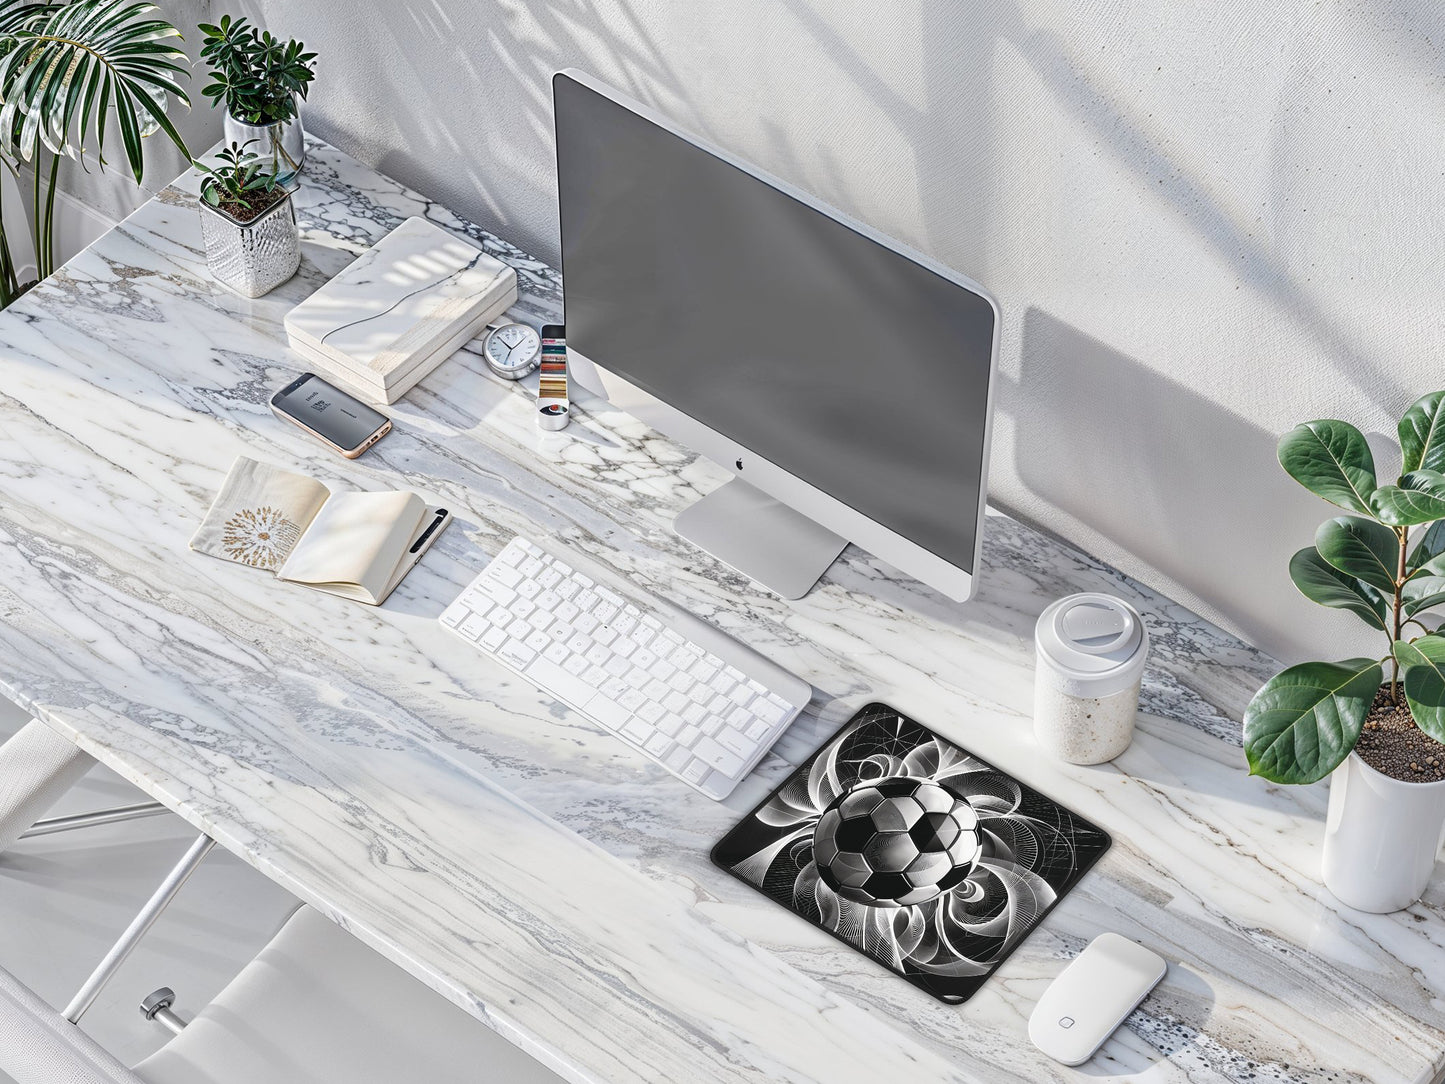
(912, 850)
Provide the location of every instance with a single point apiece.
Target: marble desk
(532, 868)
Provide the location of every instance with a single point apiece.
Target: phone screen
(328, 411)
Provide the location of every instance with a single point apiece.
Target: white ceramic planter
(1382, 837)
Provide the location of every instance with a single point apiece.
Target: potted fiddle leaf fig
(1376, 723)
(247, 223)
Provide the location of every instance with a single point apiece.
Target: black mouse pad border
(1027, 852)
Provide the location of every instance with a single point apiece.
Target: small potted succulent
(1377, 724)
(260, 80)
(248, 222)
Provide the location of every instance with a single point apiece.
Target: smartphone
(340, 421)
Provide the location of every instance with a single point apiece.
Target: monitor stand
(761, 537)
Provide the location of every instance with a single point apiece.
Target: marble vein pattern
(530, 867)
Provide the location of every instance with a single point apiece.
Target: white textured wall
(1205, 221)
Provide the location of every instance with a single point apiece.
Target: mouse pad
(912, 850)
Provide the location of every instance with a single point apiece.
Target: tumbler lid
(1095, 644)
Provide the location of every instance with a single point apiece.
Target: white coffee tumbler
(1091, 650)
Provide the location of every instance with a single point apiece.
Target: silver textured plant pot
(252, 257)
(283, 145)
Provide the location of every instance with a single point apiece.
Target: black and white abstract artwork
(912, 850)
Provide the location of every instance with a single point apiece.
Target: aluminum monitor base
(761, 537)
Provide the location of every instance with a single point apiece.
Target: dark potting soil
(1391, 743)
(261, 202)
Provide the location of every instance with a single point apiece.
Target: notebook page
(259, 514)
(355, 543)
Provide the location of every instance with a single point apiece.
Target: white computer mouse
(1092, 996)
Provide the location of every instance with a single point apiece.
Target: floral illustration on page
(259, 537)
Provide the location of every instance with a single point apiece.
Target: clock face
(512, 349)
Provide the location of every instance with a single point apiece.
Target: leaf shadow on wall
(1184, 485)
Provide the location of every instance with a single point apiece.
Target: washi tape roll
(552, 407)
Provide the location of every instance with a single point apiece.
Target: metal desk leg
(37, 766)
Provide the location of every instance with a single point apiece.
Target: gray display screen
(843, 362)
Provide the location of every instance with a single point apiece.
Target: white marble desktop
(531, 867)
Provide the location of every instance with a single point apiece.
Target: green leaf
(1305, 720)
(1321, 582)
(1422, 592)
(1423, 663)
(1331, 459)
(1422, 434)
(1360, 548)
(1430, 545)
(1419, 498)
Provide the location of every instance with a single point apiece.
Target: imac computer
(844, 379)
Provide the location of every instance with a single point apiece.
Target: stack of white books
(400, 309)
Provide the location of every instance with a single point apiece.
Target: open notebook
(356, 545)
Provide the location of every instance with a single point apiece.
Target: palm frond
(68, 69)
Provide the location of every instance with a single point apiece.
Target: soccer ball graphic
(896, 842)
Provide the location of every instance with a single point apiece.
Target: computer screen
(827, 353)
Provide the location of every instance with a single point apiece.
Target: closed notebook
(356, 545)
(400, 309)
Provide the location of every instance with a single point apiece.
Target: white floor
(65, 898)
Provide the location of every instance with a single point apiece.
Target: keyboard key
(529, 589)
(473, 627)
(734, 742)
(586, 623)
(717, 757)
(636, 730)
(539, 641)
(595, 675)
(575, 665)
(530, 567)
(506, 576)
(612, 688)
(518, 655)
(455, 615)
(695, 772)
(611, 715)
(674, 701)
(598, 655)
(632, 700)
(677, 759)
(657, 744)
(493, 638)
(556, 652)
(558, 681)
(518, 629)
(694, 715)
(513, 554)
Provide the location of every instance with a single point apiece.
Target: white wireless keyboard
(695, 700)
